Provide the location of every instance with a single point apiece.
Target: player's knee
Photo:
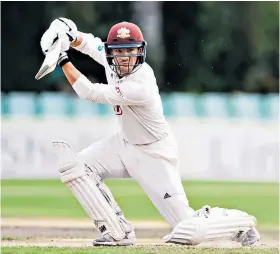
(199, 233)
(70, 166)
(92, 164)
(75, 169)
(235, 213)
(189, 232)
(73, 173)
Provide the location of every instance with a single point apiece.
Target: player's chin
(125, 70)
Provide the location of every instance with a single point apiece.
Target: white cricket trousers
(153, 166)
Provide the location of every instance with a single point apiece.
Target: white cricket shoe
(129, 240)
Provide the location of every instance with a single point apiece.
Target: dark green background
(208, 46)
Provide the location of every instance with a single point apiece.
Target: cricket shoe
(247, 237)
(129, 239)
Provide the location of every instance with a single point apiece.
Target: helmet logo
(123, 33)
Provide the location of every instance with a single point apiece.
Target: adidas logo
(166, 196)
(102, 228)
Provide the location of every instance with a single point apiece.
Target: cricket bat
(50, 61)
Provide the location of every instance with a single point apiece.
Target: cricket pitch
(79, 234)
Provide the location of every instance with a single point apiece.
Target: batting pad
(198, 230)
(74, 175)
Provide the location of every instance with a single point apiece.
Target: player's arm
(90, 45)
(130, 94)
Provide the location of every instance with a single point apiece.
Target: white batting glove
(67, 26)
(50, 38)
(58, 28)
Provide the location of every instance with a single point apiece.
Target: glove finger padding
(65, 43)
(67, 26)
(48, 40)
(61, 28)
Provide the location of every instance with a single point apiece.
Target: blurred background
(217, 67)
(194, 47)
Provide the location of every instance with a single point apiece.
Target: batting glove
(50, 38)
(67, 26)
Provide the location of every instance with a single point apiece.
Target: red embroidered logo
(118, 110)
(118, 91)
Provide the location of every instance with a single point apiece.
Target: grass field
(51, 199)
(135, 250)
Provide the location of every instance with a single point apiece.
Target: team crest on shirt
(123, 33)
(118, 91)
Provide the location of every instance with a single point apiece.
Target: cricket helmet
(122, 36)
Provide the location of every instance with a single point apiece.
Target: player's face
(125, 61)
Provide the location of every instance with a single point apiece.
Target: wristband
(63, 61)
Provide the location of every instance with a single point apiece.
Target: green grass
(135, 250)
(51, 199)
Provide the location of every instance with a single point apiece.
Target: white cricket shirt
(135, 97)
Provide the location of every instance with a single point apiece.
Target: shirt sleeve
(94, 47)
(131, 93)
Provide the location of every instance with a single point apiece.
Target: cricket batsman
(143, 149)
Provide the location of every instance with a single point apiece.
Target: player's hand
(59, 28)
(50, 39)
(67, 26)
